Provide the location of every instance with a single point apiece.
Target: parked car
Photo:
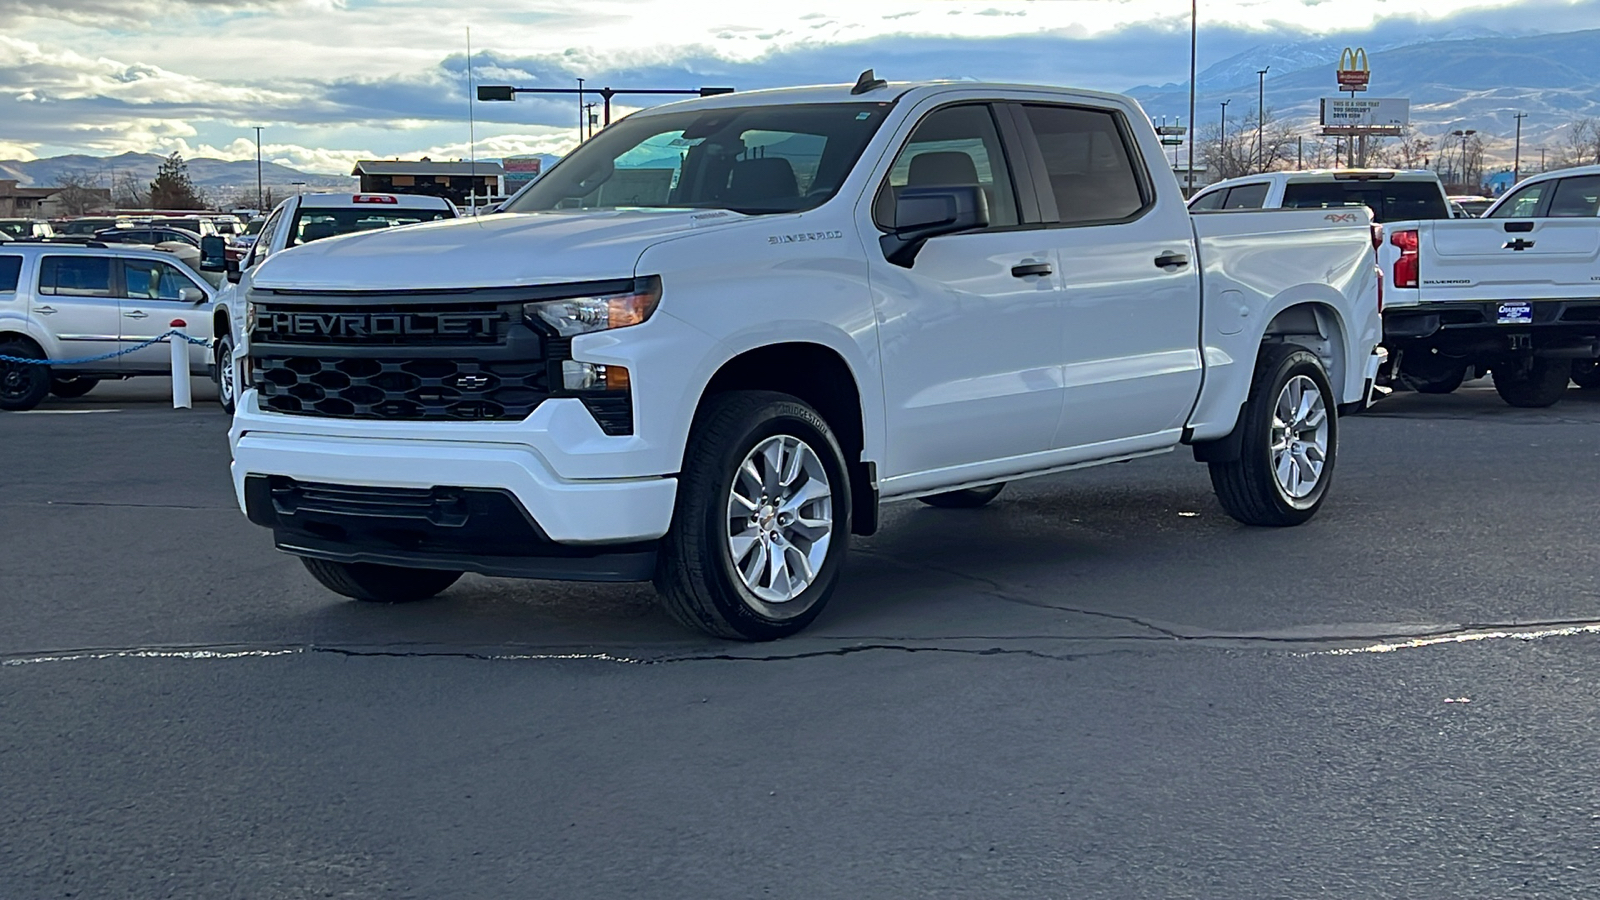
(1473, 205)
(1391, 194)
(298, 220)
(148, 235)
(88, 225)
(1512, 293)
(707, 344)
(26, 228)
(200, 225)
(66, 301)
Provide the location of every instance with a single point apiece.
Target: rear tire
(1586, 374)
(22, 385)
(1535, 387)
(762, 524)
(1444, 382)
(68, 387)
(1289, 444)
(966, 498)
(375, 583)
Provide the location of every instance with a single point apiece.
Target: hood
(505, 250)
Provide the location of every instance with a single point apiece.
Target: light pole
(1464, 135)
(297, 185)
(1516, 157)
(1261, 117)
(1222, 139)
(1194, 36)
(258, 168)
(505, 92)
(580, 110)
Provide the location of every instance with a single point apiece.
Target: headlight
(600, 312)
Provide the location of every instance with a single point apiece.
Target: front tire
(375, 583)
(69, 387)
(226, 389)
(1289, 444)
(22, 385)
(967, 498)
(1540, 384)
(762, 523)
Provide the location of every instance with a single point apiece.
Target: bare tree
(127, 192)
(79, 191)
(1241, 153)
(1411, 151)
(1580, 146)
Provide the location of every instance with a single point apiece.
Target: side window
(956, 145)
(150, 280)
(1246, 196)
(260, 249)
(1523, 204)
(1086, 158)
(1576, 197)
(1212, 200)
(75, 276)
(10, 272)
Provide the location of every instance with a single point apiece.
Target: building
(455, 181)
(48, 202)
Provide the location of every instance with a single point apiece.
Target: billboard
(1369, 115)
(520, 170)
(1353, 73)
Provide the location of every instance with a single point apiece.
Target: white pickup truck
(298, 220)
(705, 346)
(1515, 293)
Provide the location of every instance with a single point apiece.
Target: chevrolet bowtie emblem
(472, 382)
(1518, 244)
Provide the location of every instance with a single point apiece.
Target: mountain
(216, 176)
(1469, 81)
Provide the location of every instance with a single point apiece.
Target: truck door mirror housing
(923, 213)
(231, 267)
(213, 253)
(191, 295)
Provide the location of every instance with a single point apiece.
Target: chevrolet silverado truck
(1515, 293)
(709, 343)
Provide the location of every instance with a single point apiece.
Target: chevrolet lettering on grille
(359, 325)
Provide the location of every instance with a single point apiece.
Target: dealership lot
(1097, 686)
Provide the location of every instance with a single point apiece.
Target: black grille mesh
(365, 388)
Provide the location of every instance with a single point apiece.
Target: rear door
(75, 297)
(1126, 258)
(152, 299)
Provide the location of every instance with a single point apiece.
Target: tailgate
(1509, 259)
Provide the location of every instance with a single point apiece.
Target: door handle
(137, 314)
(46, 310)
(1024, 269)
(1172, 259)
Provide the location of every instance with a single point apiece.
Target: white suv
(77, 302)
(1392, 194)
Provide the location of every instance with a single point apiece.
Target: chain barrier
(24, 360)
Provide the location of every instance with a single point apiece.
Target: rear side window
(1390, 201)
(1212, 200)
(10, 271)
(1086, 159)
(1576, 197)
(1246, 196)
(75, 276)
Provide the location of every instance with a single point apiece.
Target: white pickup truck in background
(1515, 293)
(298, 220)
(705, 346)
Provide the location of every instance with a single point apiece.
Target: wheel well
(19, 336)
(1316, 327)
(818, 376)
(220, 323)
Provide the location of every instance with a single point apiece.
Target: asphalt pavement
(1098, 686)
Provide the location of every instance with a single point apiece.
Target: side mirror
(191, 295)
(232, 268)
(922, 213)
(213, 253)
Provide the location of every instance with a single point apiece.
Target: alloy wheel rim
(1299, 438)
(225, 369)
(14, 382)
(780, 518)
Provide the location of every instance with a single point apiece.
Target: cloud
(139, 13)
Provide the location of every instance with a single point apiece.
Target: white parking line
(63, 412)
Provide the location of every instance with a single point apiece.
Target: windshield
(316, 224)
(1390, 201)
(255, 226)
(17, 229)
(759, 159)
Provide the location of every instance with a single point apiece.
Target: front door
(971, 333)
(75, 299)
(152, 299)
(1128, 268)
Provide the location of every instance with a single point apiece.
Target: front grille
(386, 325)
(443, 506)
(380, 388)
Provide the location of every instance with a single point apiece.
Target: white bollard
(180, 368)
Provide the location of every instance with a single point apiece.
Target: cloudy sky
(336, 80)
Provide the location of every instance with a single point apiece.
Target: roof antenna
(868, 82)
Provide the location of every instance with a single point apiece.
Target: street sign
(1354, 74)
(1369, 115)
(520, 170)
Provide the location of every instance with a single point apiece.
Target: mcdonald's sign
(1354, 73)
